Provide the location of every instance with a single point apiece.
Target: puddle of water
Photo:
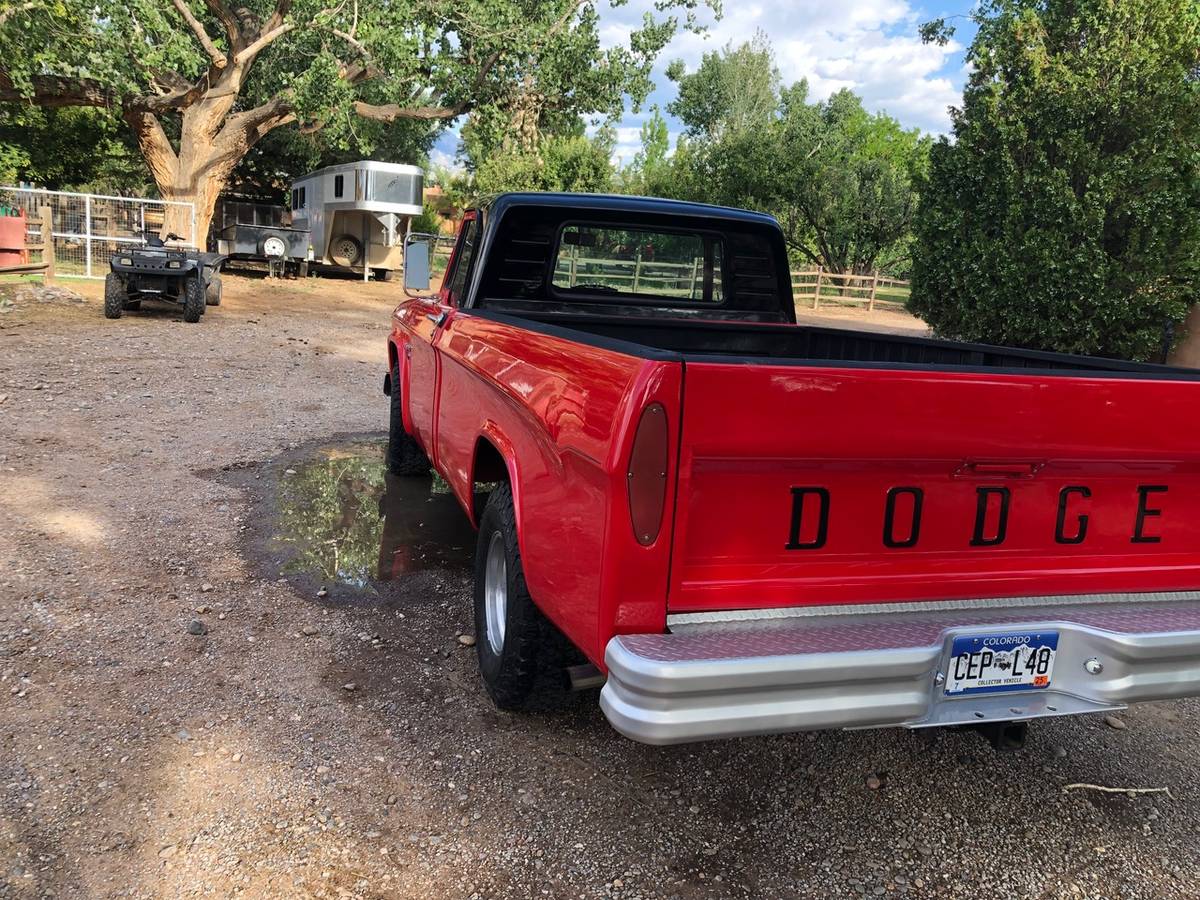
(345, 519)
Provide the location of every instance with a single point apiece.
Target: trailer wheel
(114, 296)
(193, 298)
(384, 274)
(510, 630)
(273, 246)
(404, 454)
(345, 250)
(212, 296)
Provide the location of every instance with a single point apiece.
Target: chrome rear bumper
(856, 670)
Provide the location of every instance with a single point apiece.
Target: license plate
(991, 663)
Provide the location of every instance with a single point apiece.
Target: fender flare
(490, 433)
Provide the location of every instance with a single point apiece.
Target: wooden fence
(45, 265)
(814, 285)
(638, 275)
(686, 279)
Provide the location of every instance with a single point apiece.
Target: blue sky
(869, 46)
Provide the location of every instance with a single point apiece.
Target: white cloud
(869, 46)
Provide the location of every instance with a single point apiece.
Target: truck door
(426, 317)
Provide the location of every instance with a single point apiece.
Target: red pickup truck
(750, 526)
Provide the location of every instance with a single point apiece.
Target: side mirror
(416, 263)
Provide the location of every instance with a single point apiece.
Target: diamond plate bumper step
(732, 679)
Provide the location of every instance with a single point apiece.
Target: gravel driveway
(184, 715)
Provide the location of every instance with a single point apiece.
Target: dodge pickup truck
(750, 526)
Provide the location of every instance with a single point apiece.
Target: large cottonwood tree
(200, 82)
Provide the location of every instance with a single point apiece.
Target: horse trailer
(358, 214)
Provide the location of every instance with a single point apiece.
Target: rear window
(639, 263)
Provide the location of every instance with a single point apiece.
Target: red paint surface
(563, 415)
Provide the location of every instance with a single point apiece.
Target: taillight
(647, 474)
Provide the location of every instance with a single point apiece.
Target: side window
(303, 203)
(456, 280)
(339, 183)
(295, 199)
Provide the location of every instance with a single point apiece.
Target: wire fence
(88, 229)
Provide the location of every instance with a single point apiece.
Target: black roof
(622, 202)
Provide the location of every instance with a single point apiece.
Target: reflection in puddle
(349, 521)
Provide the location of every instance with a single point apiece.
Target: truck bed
(728, 341)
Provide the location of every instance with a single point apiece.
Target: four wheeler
(180, 275)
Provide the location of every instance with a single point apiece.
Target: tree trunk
(211, 144)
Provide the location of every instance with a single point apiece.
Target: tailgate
(803, 485)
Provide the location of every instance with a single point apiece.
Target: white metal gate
(89, 228)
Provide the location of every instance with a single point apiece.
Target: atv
(155, 271)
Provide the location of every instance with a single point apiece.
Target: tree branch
(260, 43)
(228, 21)
(387, 112)
(55, 90)
(206, 42)
(155, 145)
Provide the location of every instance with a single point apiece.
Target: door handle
(436, 318)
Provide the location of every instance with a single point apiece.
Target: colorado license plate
(990, 663)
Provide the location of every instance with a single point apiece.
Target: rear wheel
(114, 296)
(404, 454)
(193, 299)
(212, 296)
(345, 250)
(383, 274)
(510, 630)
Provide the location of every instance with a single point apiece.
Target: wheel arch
(493, 460)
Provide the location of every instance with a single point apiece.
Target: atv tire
(404, 454)
(115, 296)
(193, 299)
(212, 296)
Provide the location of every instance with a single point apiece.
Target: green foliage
(732, 92)
(1065, 214)
(841, 181)
(561, 163)
(69, 149)
(428, 222)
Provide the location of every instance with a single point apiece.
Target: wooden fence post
(817, 290)
(874, 285)
(47, 227)
(637, 270)
(574, 270)
(695, 272)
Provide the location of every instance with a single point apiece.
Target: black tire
(115, 296)
(510, 673)
(212, 296)
(404, 454)
(302, 269)
(384, 275)
(193, 298)
(345, 250)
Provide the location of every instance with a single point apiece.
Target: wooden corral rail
(814, 285)
(45, 267)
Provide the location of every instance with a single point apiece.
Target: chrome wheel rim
(495, 592)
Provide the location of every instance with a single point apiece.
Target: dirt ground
(185, 716)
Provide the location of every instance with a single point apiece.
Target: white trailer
(358, 214)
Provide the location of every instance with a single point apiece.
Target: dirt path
(297, 746)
